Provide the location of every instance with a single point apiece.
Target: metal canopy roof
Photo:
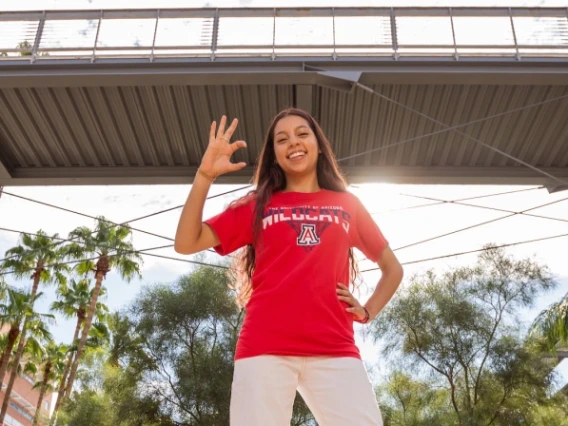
(127, 97)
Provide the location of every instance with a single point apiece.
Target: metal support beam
(4, 173)
(201, 71)
(557, 188)
(356, 174)
(304, 97)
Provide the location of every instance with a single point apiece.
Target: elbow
(399, 273)
(183, 248)
(396, 273)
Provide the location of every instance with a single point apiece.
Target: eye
(281, 140)
(304, 134)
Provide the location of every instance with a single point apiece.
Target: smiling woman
(298, 229)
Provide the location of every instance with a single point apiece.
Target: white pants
(337, 391)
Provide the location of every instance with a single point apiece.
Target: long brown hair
(270, 178)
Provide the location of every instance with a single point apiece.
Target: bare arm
(192, 234)
(391, 278)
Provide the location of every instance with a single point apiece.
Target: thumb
(237, 166)
(238, 144)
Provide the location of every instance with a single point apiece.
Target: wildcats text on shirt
(307, 214)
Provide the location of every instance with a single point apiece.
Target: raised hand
(217, 158)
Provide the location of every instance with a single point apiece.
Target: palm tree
(114, 250)
(13, 313)
(39, 254)
(124, 341)
(552, 324)
(37, 331)
(73, 301)
(53, 364)
(96, 350)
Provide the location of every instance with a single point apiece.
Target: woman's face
(295, 146)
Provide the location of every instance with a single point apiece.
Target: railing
(284, 32)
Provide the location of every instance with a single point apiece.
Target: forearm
(386, 287)
(190, 222)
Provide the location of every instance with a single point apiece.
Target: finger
(343, 292)
(221, 131)
(342, 286)
(232, 128)
(236, 166)
(347, 300)
(212, 131)
(238, 144)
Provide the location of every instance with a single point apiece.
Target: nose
(294, 140)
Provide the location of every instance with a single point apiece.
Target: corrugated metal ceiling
(167, 126)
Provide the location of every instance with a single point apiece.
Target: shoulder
(248, 200)
(344, 197)
(241, 207)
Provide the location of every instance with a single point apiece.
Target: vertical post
(94, 57)
(274, 36)
(215, 34)
(155, 33)
(514, 34)
(38, 36)
(456, 55)
(394, 36)
(334, 56)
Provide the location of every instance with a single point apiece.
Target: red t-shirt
(294, 309)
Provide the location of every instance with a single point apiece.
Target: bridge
(406, 95)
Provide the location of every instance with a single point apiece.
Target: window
(10, 421)
(21, 411)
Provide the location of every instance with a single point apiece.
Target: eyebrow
(283, 131)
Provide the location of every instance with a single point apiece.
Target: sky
(403, 227)
(389, 203)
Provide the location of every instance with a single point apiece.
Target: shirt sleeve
(367, 236)
(234, 227)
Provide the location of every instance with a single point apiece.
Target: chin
(298, 171)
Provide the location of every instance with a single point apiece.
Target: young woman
(298, 229)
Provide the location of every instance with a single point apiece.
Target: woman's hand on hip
(355, 307)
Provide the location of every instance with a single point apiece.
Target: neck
(302, 183)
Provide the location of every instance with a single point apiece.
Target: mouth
(296, 156)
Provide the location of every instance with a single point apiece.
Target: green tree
(552, 325)
(94, 357)
(88, 408)
(17, 306)
(124, 343)
(25, 48)
(462, 329)
(73, 301)
(53, 361)
(33, 348)
(188, 332)
(39, 254)
(113, 250)
(405, 401)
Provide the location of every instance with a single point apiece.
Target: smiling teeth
(296, 154)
